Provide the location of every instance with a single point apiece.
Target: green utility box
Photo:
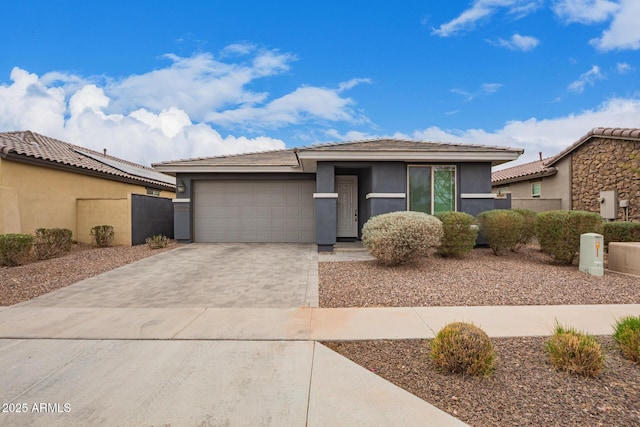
(592, 254)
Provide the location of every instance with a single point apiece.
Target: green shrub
(158, 241)
(501, 228)
(463, 348)
(627, 335)
(575, 352)
(558, 232)
(102, 235)
(15, 249)
(399, 237)
(528, 231)
(460, 233)
(51, 242)
(621, 232)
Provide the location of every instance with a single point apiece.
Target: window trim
(432, 166)
(533, 194)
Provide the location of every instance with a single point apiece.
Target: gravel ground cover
(18, 284)
(527, 277)
(524, 390)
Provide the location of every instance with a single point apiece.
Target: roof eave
(13, 156)
(175, 169)
(549, 172)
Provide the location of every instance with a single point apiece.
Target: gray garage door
(254, 211)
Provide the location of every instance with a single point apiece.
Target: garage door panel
(245, 211)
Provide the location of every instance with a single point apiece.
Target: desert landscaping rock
(527, 277)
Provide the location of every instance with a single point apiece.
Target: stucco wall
(599, 165)
(32, 197)
(113, 212)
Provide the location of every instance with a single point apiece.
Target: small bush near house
(15, 249)
(575, 352)
(51, 242)
(501, 228)
(158, 241)
(627, 335)
(528, 232)
(463, 348)
(102, 235)
(621, 232)
(460, 233)
(558, 232)
(400, 237)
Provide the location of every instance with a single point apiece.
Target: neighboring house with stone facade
(602, 160)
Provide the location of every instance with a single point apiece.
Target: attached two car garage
(254, 211)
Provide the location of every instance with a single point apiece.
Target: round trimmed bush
(575, 352)
(460, 233)
(627, 335)
(558, 232)
(501, 228)
(463, 348)
(528, 231)
(400, 237)
(15, 249)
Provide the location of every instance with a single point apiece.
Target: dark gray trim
(325, 248)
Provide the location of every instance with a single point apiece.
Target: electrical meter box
(609, 204)
(592, 254)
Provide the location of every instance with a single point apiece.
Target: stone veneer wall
(598, 165)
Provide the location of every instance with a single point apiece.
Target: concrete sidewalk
(299, 324)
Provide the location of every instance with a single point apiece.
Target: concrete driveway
(260, 275)
(206, 335)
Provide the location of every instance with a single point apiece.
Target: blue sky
(161, 80)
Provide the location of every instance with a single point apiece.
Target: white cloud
(547, 135)
(518, 42)
(587, 78)
(485, 89)
(168, 113)
(623, 68)
(481, 9)
(585, 11)
(624, 32)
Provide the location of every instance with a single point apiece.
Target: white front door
(347, 189)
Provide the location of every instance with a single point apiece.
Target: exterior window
(432, 189)
(503, 190)
(152, 192)
(536, 189)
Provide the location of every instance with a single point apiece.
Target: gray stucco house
(325, 193)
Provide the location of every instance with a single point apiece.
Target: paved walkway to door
(229, 275)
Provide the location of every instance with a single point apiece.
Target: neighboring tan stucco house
(605, 159)
(47, 183)
(535, 185)
(325, 193)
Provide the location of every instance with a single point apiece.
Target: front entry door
(347, 189)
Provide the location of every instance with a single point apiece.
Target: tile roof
(30, 145)
(523, 172)
(613, 133)
(287, 157)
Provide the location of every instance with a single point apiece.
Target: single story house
(603, 160)
(48, 183)
(325, 193)
(534, 185)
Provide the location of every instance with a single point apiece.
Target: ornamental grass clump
(558, 232)
(51, 242)
(627, 335)
(575, 352)
(102, 235)
(15, 249)
(401, 237)
(501, 228)
(460, 234)
(463, 348)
